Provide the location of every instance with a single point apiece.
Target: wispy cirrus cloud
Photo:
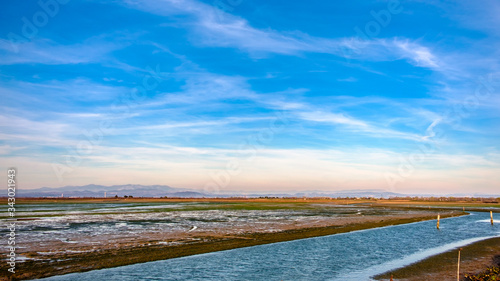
(359, 127)
(215, 28)
(421, 56)
(96, 49)
(333, 118)
(219, 29)
(45, 51)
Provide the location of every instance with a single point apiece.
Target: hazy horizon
(252, 96)
(288, 192)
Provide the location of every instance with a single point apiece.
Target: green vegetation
(88, 206)
(491, 274)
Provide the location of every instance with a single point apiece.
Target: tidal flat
(57, 236)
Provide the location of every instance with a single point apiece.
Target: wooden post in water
(491, 216)
(438, 222)
(458, 266)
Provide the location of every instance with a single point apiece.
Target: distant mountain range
(93, 190)
(137, 190)
(352, 193)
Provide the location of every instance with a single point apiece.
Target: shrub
(491, 274)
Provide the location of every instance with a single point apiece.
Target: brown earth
(125, 252)
(474, 258)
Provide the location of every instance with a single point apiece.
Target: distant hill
(335, 194)
(93, 190)
(376, 193)
(352, 193)
(137, 190)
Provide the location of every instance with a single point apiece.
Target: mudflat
(64, 236)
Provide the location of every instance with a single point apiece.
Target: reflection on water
(349, 256)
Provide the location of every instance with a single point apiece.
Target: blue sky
(252, 96)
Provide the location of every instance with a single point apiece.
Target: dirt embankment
(474, 258)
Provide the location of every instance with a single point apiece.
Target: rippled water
(349, 256)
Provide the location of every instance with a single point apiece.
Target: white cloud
(45, 51)
(334, 118)
(220, 29)
(422, 56)
(348, 79)
(8, 149)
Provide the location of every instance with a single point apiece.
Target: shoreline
(474, 259)
(108, 258)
